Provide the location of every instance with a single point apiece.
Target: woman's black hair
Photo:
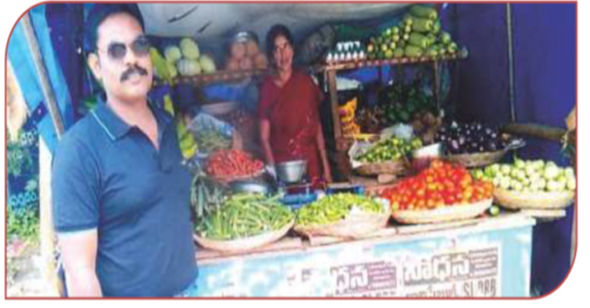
(101, 11)
(273, 33)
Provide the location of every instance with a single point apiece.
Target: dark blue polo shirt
(108, 176)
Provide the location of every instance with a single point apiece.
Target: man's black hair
(98, 13)
(273, 33)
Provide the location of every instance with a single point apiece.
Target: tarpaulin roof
(211, 21)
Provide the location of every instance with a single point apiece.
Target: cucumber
(419, 40)
(413, 51)
(422, 11)
(431, 52)
(436, 27)
(422, 25)
(431, 38)
(408, 20)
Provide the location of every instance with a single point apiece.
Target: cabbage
(189, 48)
(207, 64)
(188, 67)
(172, 54)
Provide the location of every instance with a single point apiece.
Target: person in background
(288, 110)
(121, 197)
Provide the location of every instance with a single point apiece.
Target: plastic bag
(203, 122)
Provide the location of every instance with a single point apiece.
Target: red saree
(293, 113)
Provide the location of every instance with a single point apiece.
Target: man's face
(125, 74)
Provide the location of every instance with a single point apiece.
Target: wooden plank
(544, 214)
(47, 235)
(315, 241)
(333, 91)
(356, 64)
(287, 243)
(424, 228)
(219, 76)
(536, 130)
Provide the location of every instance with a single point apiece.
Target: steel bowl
(421, 158)
(245, 186)
(291, 171)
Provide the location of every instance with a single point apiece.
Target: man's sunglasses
(141, 48)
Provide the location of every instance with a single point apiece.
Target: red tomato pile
(442, 184)
(224, 163)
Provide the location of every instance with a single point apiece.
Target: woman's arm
(324, 156)
(265, 140)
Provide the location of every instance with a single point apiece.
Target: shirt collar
(115, 127)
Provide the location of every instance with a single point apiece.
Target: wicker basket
(355, 226)
(446, 214)
(244, 244)
(477, 159)
(533, 200)
(395, 167)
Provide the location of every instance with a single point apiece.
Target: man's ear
(94, 65)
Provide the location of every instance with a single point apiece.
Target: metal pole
(47, 235)
(436, 73)
(510, 62)
(48, 94)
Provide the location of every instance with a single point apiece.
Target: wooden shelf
(220, 76)
(351, 65)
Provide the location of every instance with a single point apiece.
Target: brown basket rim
(445, 214)
(533, 200)
(244, 244)
(477, 159)
(367, 223)
(390, 167)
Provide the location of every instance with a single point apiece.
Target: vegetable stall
(442, 186)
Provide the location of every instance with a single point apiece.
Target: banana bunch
(347, 118)
(163, 69)
(186, 140)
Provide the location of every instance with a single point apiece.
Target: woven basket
(477, 159)
(446, 214)
(244, 244)
(533, 200)
(355, 226)
(395, 167)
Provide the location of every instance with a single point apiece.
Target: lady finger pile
(245, 215)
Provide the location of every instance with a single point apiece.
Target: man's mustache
(135, 69)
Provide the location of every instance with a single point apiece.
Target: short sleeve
(264, 100)
(75, 183)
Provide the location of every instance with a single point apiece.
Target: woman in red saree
(288, 109)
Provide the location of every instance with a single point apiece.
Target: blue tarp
(19, 55)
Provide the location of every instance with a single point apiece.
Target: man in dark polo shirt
(120, 194)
